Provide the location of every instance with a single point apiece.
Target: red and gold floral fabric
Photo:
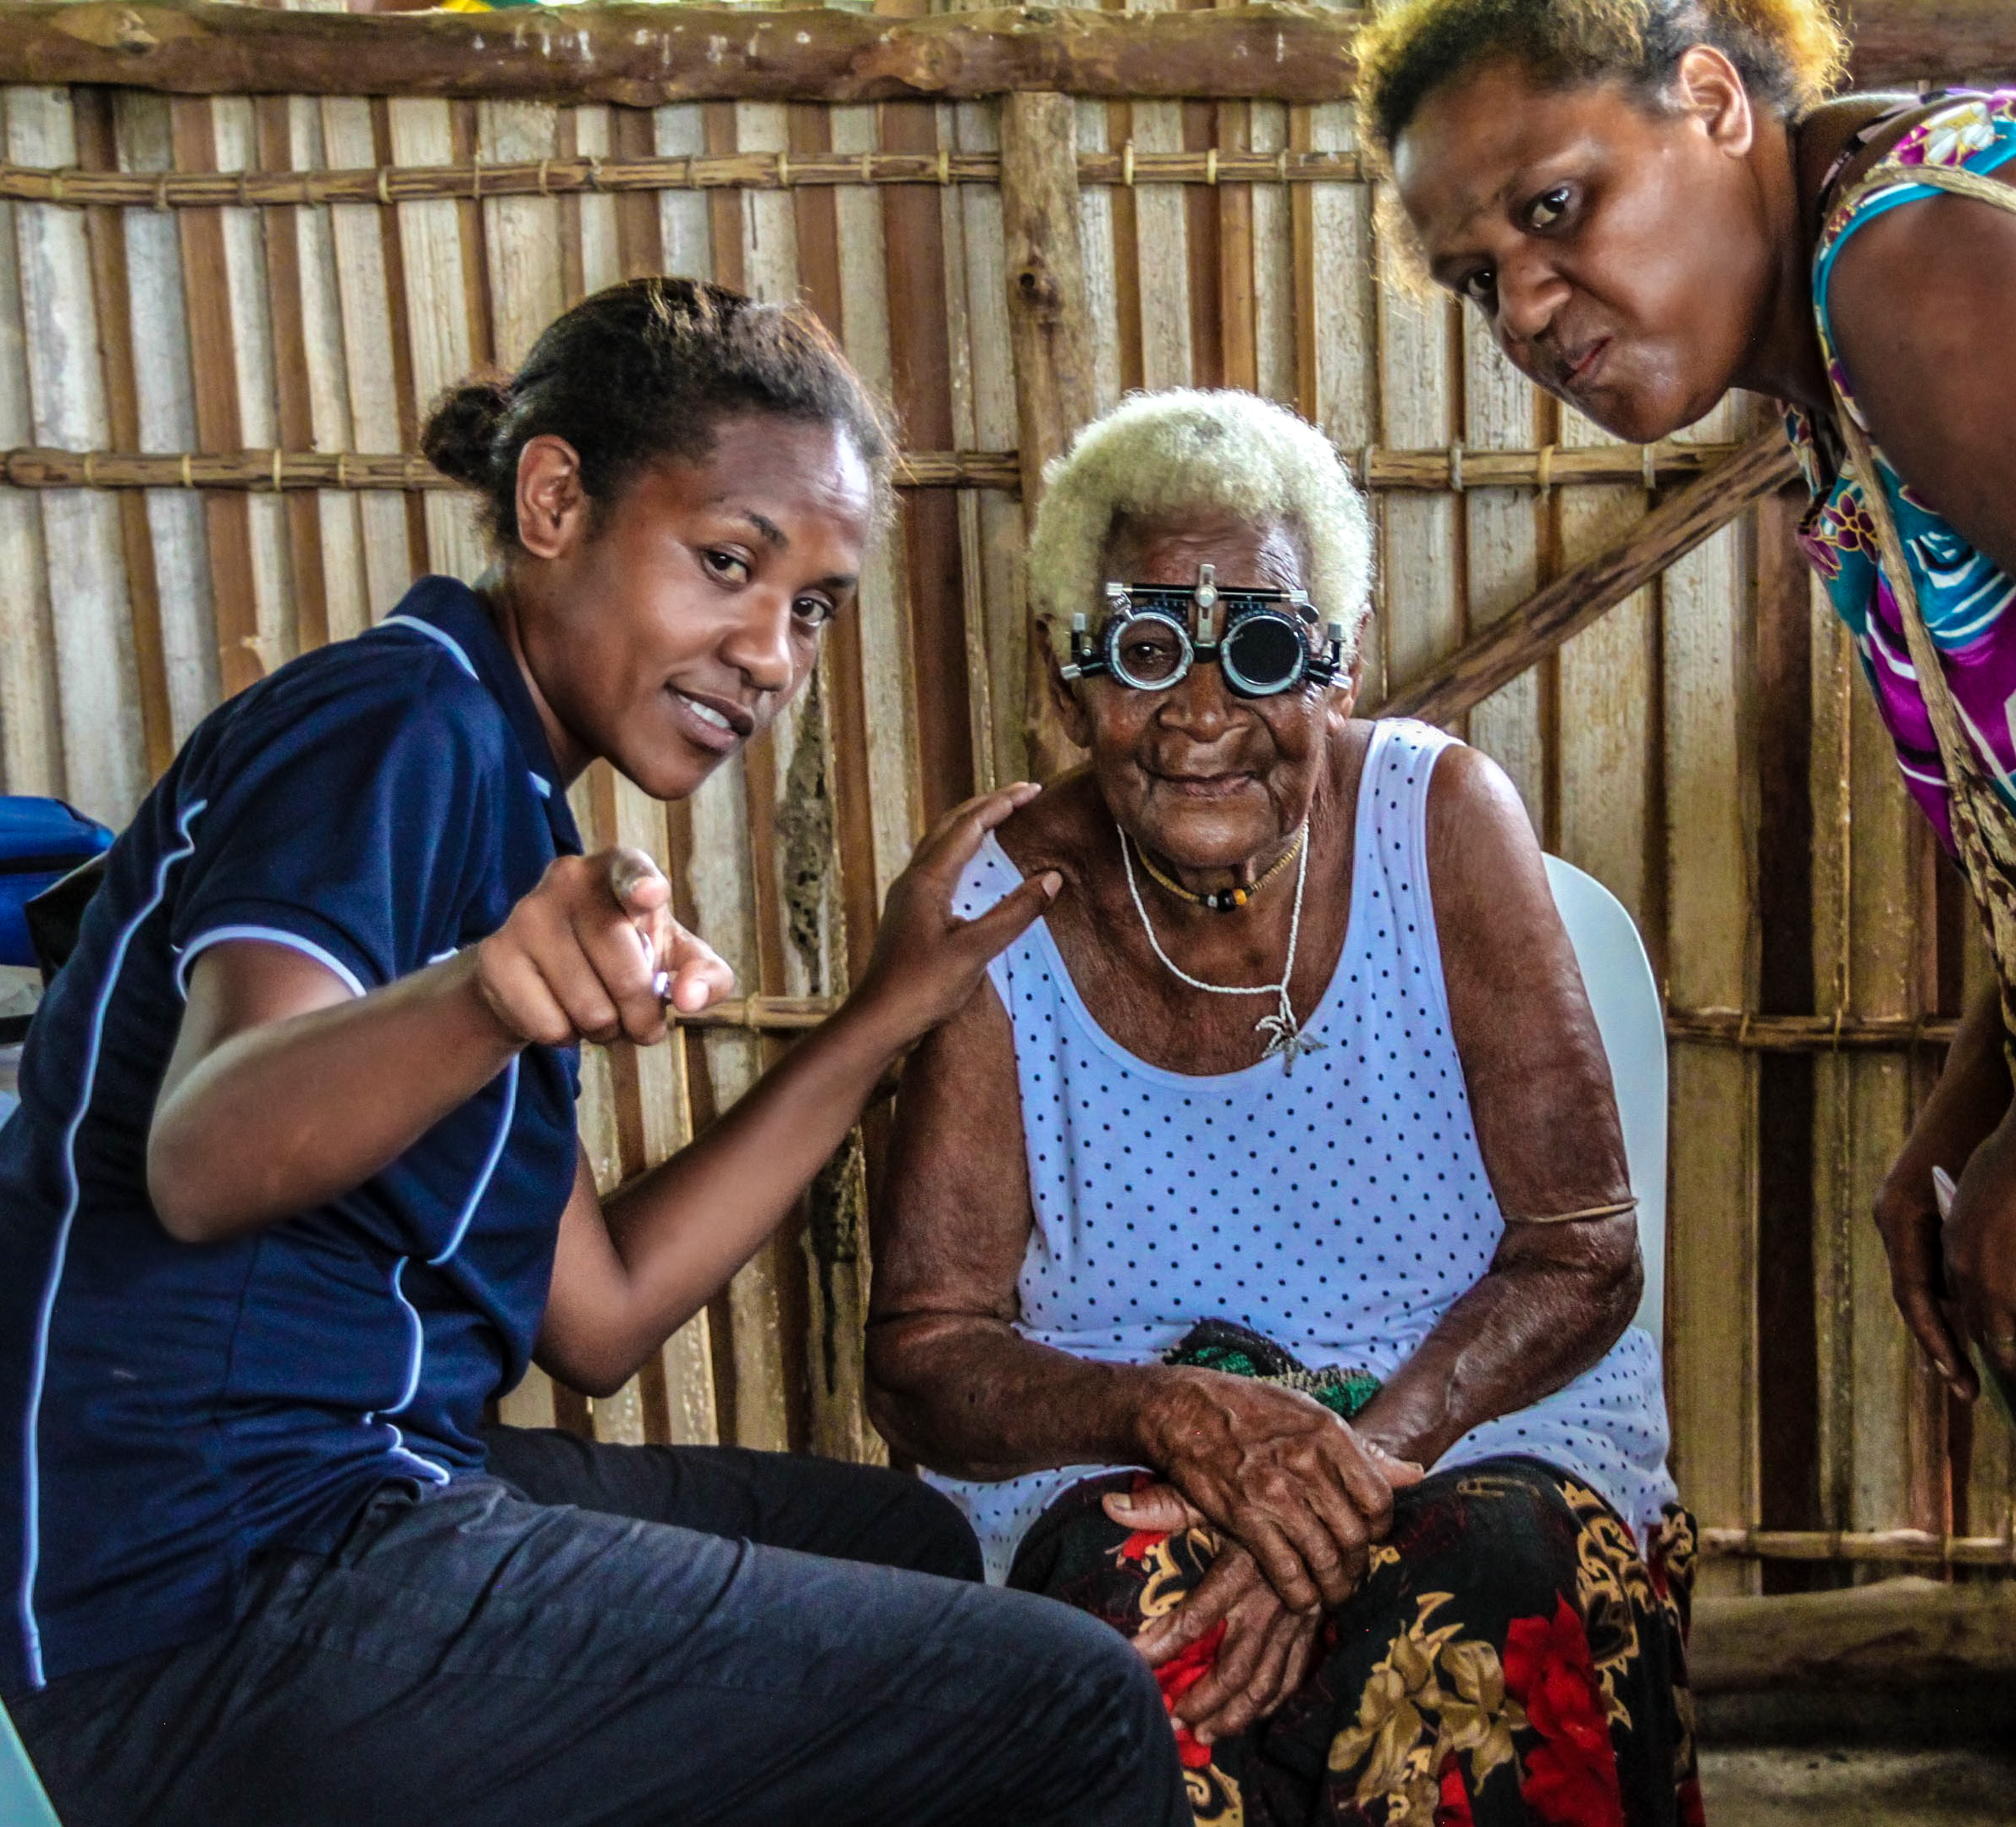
(1511, 1658)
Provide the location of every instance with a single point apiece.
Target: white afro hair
(1156, 455)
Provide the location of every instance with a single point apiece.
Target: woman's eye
(729, 567)
(1548, 208)
(1477, 287)
(815, 611)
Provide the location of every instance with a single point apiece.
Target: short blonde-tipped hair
(1160, 455)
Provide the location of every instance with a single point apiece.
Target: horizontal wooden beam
(642, 56)
(1896, 1633)
(1434, 472)
(1810, 1034)
(1903, 1545)
(74, 188)
(1902, 42)
(1583, 596)
(645, 55)
(267, 470)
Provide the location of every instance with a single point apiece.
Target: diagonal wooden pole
(1587, 594)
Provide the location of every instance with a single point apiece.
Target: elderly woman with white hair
(1257, 1256)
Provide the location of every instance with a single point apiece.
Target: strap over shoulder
(1891, 174)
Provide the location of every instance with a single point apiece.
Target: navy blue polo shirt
(166, 1408)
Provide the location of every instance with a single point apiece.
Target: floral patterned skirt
(1510, 1657)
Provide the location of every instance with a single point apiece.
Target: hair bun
(460, 437)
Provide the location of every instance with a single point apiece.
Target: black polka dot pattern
(1339, 1210)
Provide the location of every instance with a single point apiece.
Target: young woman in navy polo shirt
(295, 1188)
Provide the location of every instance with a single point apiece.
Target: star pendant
(1286, 1040)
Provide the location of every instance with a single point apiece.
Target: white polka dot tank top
(1339, 1210)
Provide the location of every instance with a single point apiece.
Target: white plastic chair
(23, 1802)
(1632, 1018)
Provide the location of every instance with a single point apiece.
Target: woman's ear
(553, 507)
(1708, 87)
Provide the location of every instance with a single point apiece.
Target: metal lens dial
(1148, 650)
(1264, 652)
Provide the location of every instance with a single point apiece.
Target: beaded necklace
(1227, 900)
(1284, 1032)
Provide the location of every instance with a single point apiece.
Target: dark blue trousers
(625, 1636)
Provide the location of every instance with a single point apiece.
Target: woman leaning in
(1296, 1112)
(295, 1189)
(1652, 203)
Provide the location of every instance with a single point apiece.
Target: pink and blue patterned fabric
(1967, 602)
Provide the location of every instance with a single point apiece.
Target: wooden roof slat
(642, 56)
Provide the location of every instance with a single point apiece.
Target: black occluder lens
(1265, 651)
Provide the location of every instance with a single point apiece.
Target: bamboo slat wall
(222, 316)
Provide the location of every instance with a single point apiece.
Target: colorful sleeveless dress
(1968, 604)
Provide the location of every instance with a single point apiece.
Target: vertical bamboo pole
(31, 757)
(952, 220)
(165, 395)
(104, 762)
(1788, 1351)
(315, 390)
(1099, 257)
(1229, 211)
(1161, 247)
(914, 238)
(276, 233)
(1710, 803)
(1274, 244)
(358, 233)
(440, 336)
(590, 229)
(277, 590)
(1418, 407)
(1501, 551)
(1987, 1495)
(896, 788)
(1607, 748)
(1336, 315)
(112, 288)
(1049, 335)
(1879, 1424)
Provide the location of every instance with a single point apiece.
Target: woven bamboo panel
(221, 321)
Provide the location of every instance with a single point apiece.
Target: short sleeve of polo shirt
(342, 818)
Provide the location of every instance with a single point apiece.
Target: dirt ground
(1750, 1787)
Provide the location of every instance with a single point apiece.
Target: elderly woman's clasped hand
(1280, 1474)
(1299, 1496)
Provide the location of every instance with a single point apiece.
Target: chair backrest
(23, 1802)
(1632, 1018)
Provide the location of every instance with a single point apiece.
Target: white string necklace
(1284, 1032)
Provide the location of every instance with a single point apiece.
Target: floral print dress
(1968, 603)
(1513, 1657)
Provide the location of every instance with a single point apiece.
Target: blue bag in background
(41, 841)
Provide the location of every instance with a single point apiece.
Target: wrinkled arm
(951, 1383)
(1556, 1296)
